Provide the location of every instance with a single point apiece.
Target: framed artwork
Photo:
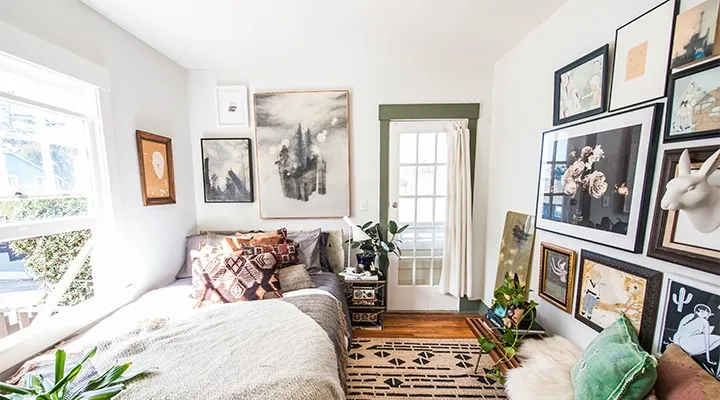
(557, 275)
(516, 247)
(581, 87)
(232, 105)
(695, 31)
(607, 287)
(673, 237)
(694, 104)
(157, 177)
(594, 178)
(303, 155)
(227, 170)
(691, 320)
(642, 55)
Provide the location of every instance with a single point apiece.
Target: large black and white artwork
(303, 154)
(227, 170)
(692, 321)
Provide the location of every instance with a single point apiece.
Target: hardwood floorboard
(420, 325)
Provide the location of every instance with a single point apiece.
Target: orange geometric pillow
(235, 243)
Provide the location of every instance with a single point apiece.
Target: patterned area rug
(418, 369)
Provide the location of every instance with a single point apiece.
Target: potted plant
(381, 242)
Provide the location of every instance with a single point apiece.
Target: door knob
(394, 204)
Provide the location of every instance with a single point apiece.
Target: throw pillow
(324, 261)
(681, 378)
(236, 242)
(227, 278)
(193, 243)
(309, 252)
(614, 366)
(295, 277)
(285, 254)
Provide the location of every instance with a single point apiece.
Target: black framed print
(227, 170)
(608, 287)
(694, 104)
(595, 178)
(674, 236)
(557, 276)
(581, 87)
(642, 57)
(691, 320)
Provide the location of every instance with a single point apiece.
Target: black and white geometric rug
(418, 369)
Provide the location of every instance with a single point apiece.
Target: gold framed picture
(557, 275)
(157, 177)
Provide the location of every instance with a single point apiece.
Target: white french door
(418, 195)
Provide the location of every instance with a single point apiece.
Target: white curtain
(457, 274)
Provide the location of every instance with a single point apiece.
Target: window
(50, 196)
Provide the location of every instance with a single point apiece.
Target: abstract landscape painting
(303, 154)
(516, 247)
(227, 170)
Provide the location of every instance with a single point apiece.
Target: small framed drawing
(694, 104)
(157, 177)
(557, 275)
(607, 287)
(581, 87)
(691, 320)
(695, 35)
(232, 106)
(227, 170)
(674, 237)
(595, 178)
(642, 55)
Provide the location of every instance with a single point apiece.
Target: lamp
(356, 235)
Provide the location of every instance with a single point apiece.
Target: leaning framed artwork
(695, 35)
(516, 248)
(691, 320)
(684, 227)
(642, 55)
(157, 177)
(608, 287)
(227, 170)
(694, 104)
(557, 275)
(303, 155)
(581, 87)
(594, 178)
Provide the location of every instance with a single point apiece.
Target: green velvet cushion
(614, 366)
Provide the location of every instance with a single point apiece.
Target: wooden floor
(420, 325)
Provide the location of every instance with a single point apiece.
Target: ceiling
(205, 34)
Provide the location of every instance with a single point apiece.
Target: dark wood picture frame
(603, 51)
(141, 136)
(651, 301)
(566, 303)
(656, 248)
(716, 46)
(671, 92)
(251, 185)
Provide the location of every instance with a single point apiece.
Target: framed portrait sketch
(157, 177)
(607, 287)
(557, 275)
(227, 170)
(694, 104)
(302, 142)
(232, 106)
(673, 237)
(516, 248)
(691, 320)
(695, 32)
(581, 87)
(594, 178)
(642, 55)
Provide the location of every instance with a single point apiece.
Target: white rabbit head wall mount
(692, 193)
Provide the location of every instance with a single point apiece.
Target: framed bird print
(557, 275)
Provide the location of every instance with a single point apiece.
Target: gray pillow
(309, 252)
(193, 242)
(295, 277)
(324, 261)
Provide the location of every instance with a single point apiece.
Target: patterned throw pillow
(285, 254)
(236, 243)
(219, 277)
(681, 378)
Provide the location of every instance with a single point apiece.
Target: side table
(366, 302)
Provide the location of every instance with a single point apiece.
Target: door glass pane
(426, 180)
(407, 181)
(425, 211)
(406, 212)
(437, 271)
(441, 181)
(408, 148)
(426, 148)
(440, 209)
(441, 148)
(405, 269)
(424, 242)
(422, 272)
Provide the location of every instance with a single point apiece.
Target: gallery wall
(523, 110)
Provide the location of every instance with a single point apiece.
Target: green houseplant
(381, 242)
(38, 387)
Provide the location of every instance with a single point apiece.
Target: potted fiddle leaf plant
(381, 243)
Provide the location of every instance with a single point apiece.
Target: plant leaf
(130, 378)
(101, 394)
(367, 225)
(109, 377)
(60, 357)
(392, 227)
(401, 230)
(8, 388)
(487, 347)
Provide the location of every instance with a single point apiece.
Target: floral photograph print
(608, 287)
(593, 177)
(692, 321)
(581, 87)
(516, 248)
(557, 275)
(694, 104)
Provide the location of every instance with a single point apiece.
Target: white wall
(522, 110)
(148, 92)
(369, 86)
